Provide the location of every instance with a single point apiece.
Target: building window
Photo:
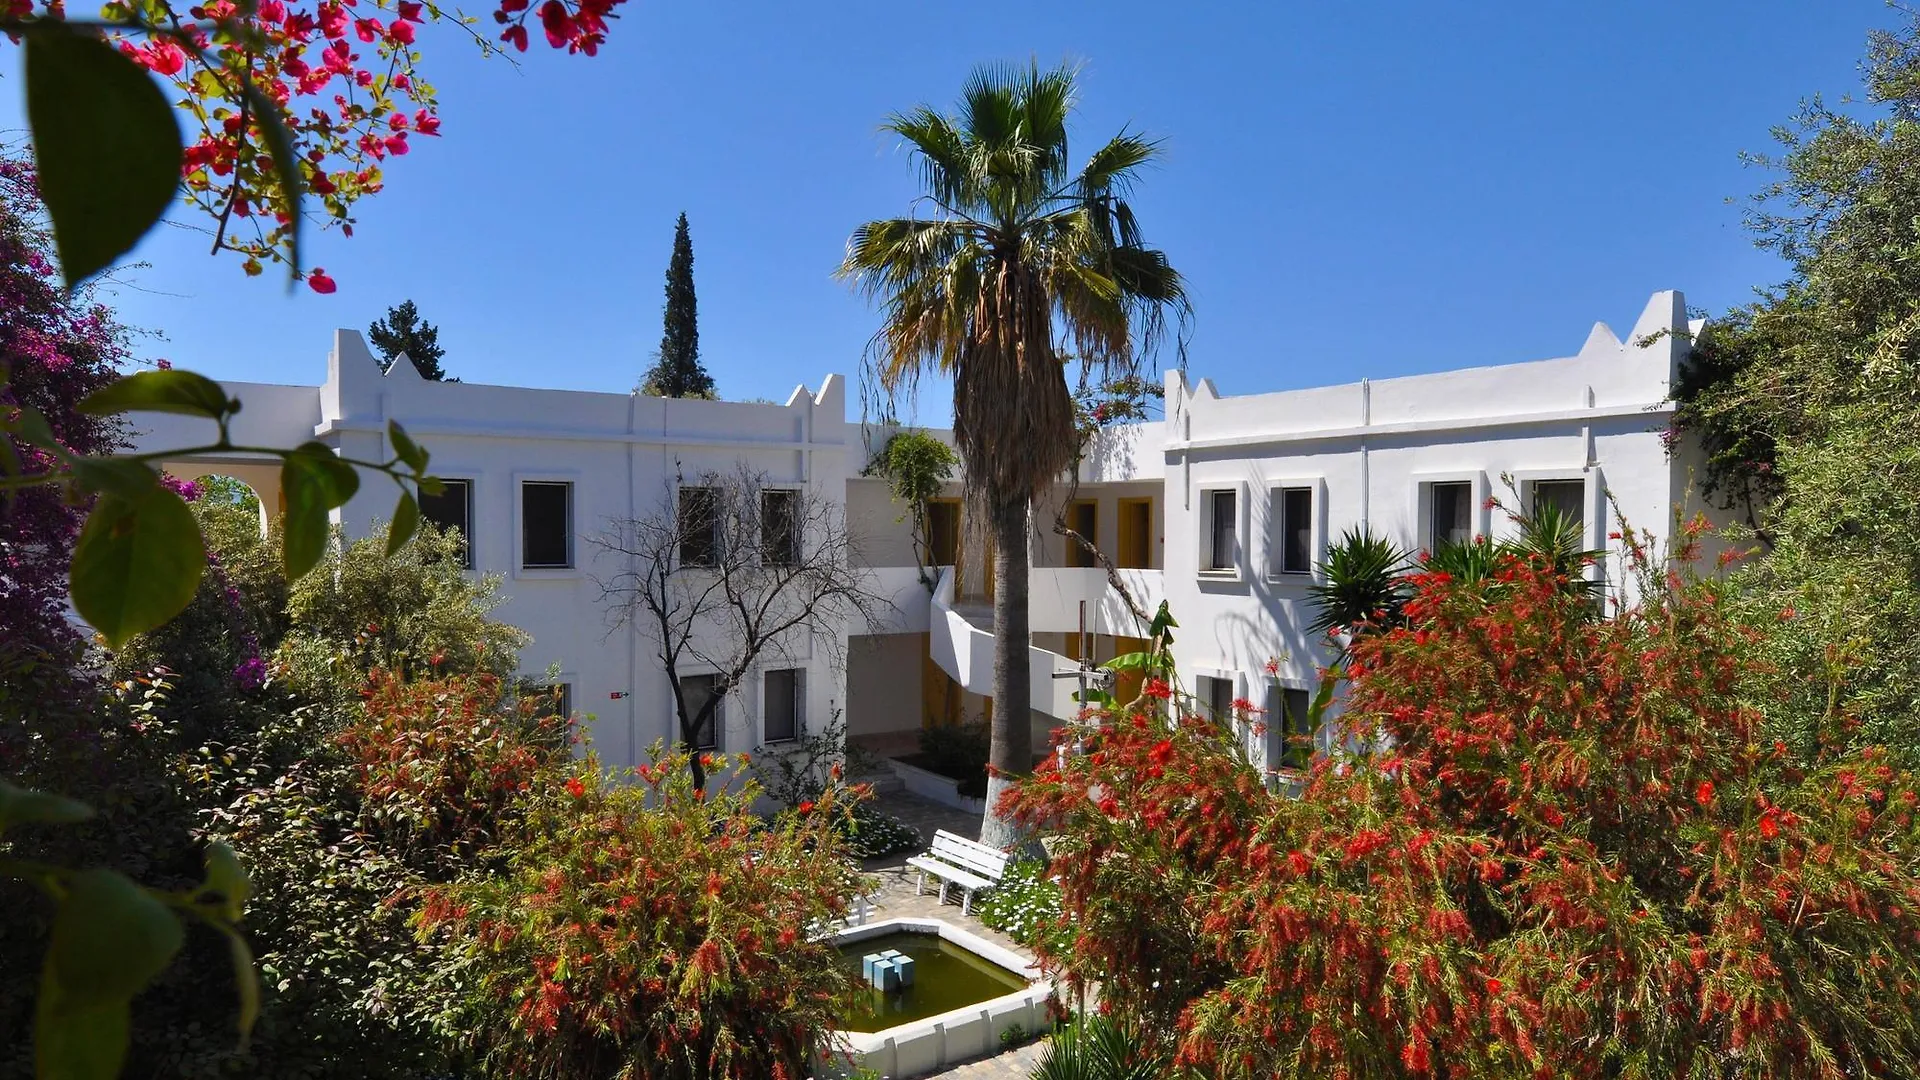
(696, 691)
(1292, 728)
(780, 526)
(1567, 496)
(1452, 513)
(1222, 517)
(546, 525)
(699, 526)
(1083, 518)
(783, 704)
(1294, 514)
(550, 699)
(450, 511)
(1216, 698)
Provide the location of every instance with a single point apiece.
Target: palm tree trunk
(1012, 748)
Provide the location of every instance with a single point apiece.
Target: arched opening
(247, 484)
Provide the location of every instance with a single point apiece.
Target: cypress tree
(403, 331)
(676, 368)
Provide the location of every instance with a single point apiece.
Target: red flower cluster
(1573, 846)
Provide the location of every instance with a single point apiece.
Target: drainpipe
(1366, 484)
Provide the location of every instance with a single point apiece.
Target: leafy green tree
(404, 333)
(676, 370)
(1805, 403)
(1022, 253)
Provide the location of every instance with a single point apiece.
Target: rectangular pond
(946, 977)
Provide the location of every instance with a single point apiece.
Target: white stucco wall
(1365, 449)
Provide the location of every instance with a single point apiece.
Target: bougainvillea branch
(331, 89)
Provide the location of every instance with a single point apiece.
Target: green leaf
(32, 427)
(406, 522)
(314, 481)
(106, 143)
(171, 391)
(1133, 661)
(18, 804)
(79, 1042)
(123, 477)
(405, 448)
(138, 562)
(110, 939)
(227, 877)
(247, 981)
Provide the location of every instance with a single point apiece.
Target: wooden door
(1135, 548)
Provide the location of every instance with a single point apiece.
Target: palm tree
(1017, 261)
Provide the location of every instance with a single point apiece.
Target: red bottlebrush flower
(1704, 793)
(835, 771)
(805, 807)
(319, 282)
(1298, 862)
(1768, 827)
(1162, 751)
(1493, 987)
(575, 788)
(1157, 688)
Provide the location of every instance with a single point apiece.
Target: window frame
(1316, 547)
(719, 719)
(681, 561)
(792, 550)
(799, 683)
(467, 530)
(1209, 509)
(520, 566)
(1278, 726)
(1422, 505)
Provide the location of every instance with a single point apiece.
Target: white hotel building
(1223, 509)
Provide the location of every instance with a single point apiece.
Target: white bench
(955, 860)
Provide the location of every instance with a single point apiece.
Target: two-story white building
(1224, 509)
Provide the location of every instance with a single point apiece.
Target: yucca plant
(1468, 562)
(1360, 583)
(1555, 539)
(1102, 1048)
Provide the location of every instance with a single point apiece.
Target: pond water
(945, 977)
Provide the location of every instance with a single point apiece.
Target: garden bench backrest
(971, 855)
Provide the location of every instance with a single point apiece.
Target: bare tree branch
(730, 575)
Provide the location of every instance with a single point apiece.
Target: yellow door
(940, 695)
(1135, 547)
(943, 536)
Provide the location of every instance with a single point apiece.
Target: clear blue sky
(1350, 191)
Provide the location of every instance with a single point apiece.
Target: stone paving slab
(1012, 1065)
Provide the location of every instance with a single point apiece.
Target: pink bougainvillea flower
(319, 282)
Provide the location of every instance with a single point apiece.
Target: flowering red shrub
(441, 762)
(1572, 855)
(652, 930)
